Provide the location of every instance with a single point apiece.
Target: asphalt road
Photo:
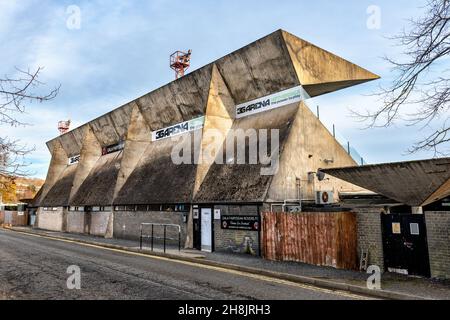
(36, 268)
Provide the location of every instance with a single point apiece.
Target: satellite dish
(320, 175)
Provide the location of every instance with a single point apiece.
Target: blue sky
(121, 52)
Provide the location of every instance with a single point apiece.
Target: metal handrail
(165, 226)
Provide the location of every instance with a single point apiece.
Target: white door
(206, 216)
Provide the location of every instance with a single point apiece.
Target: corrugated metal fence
(319, 238)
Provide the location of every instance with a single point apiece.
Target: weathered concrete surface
(178, 101)
(138, 140)
(113, 126)
(98, 188)
(220, 113)
(75, 222)
(232, 182)
(89, 155)
(57, 166)
(442, 192)
(101, 224)
(411, 183)
(51, 220)
(72, 142)
(259, 69)
(308, 147)
(156, 179)
(320, 71)
(145, 174)
(59, 194)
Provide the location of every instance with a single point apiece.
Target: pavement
(393, 286)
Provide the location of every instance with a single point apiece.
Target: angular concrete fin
(441, 193)
(310, 146)
(219, 117)
(320, 71)
(137, 141)
(91, 151)
(414, 183)
(58, 164)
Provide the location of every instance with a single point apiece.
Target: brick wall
(237, 241)
(369, 233)
(438, 233)
(127, 224)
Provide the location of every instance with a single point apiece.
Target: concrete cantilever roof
(270, 65)
(276, 62)
(414, 183)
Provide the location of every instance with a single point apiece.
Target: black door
(197, 229)
(405, 244)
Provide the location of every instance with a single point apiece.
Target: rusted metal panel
(324, 239)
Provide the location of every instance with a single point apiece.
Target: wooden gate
(319, 238)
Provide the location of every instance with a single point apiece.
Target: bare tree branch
(14, 93)
(426, 49)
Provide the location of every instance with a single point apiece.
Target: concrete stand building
(118, 171)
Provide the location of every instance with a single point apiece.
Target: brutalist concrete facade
(122, 159)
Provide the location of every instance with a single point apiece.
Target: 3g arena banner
(273, 101)
(74, 160)
(178, 129)
(113, 148)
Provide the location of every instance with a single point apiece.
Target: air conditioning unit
(324, 197)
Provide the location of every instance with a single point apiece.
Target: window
(168, 208)
(182, 208)
(76, 209)
(414, 229)
(142, 208)
(96, 209)
(154, 207)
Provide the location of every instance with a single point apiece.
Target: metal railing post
(165, 227)
(140, 239)
(179, 239)
(152, 237)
